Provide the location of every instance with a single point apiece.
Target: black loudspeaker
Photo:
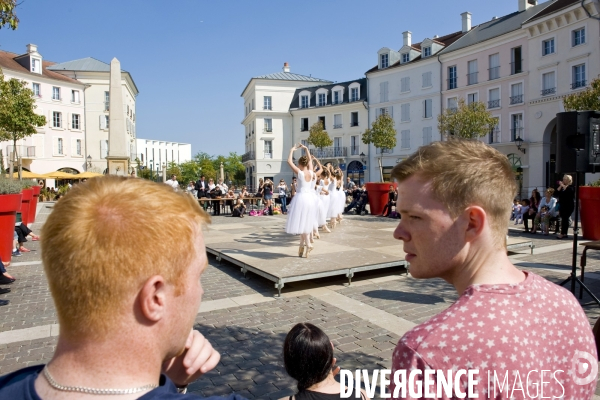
(578, 141)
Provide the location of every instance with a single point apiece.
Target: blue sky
(191, 59)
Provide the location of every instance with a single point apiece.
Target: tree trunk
(380, 168)
(12, 159)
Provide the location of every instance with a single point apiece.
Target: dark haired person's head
(307, 355)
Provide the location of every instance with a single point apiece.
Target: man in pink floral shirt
(525, 336)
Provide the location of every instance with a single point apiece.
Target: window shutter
(103, 148)
(54, 145)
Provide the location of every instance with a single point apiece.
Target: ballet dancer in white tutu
(324, 198)
(331, 188)
(302, 214)
(341, 195)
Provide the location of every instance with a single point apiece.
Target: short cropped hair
(105, 238)
(466, 172)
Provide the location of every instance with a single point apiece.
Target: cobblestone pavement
(248, 325)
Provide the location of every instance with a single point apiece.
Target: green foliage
(28, 183)
(382, 133)
(8, 186)
(588, 99)
(8, 15)
(62, 190)
(318, 137)
(468, 121)
(173, 169)
(594, 184)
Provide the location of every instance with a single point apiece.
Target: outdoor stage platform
(261, 246)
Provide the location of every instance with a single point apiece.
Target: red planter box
(33, 204)
(378, 196)
(9, 205)
(25, 201)
(589, 200)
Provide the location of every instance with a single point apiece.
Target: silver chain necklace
(82, 389)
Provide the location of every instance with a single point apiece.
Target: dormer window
(385, 60)
(36, 66)
(303, 101)
(427, 51)
(405, 58)
(322, 99)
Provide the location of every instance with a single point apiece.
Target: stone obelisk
(117, 159)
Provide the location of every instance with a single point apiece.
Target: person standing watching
(453, 226)
(129, 329)
(173, 182)
(293, 188)
(283, 195)
(201, 187)
(566, 204)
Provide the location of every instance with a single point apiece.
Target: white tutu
(302, 213)
(332, 208)
(323, 205)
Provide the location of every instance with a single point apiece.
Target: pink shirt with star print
(510, 331)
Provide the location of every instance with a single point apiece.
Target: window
(472, 98)
(267, 103)
(337, 121)
(548, 84)
(494, 66)
(75, 96)
(384, 60)
(304, 101)
(578, 37)
(55, 93)
(104, 122)
(547, 47)
(383, 92)
(354, 145)
(57, 119)
(427, 108)
(405, 139)
(268, 149)
(59, 146)
(453, 103)
(337, 97)
(35, 65)
(427, 136)
(383, 110)
(106, 101)
(578, 76)
(337, 147)
(75, 121)
(405, 57)
(516, 65)
(128, 109)
(322, 119)
(36, 90)
(322, 99)
(495, 132)
(516, 124)
(452, 81)
(427, 80)
(472, 76)
(427, 51)
(405, 84)
(516, 93)
(78, 147)
(494, 98)
(303, 124)
(354, 119)
(405, 112)
(268, 125)
(354, 94)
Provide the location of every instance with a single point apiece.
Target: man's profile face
(432, 238)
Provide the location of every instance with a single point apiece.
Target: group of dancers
(318, 200)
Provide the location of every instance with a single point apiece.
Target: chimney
(525, 4)
(286, 67)
(466, 21)
(407, 36)
(31, 48)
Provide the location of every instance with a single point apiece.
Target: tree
(8, 15)
(18, 119)
(467, 121)
(173, 169)
(382, 134)
(318, 137)
(589, 99)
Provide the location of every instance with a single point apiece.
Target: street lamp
(519, 143)
(363, 158)
(89, 161)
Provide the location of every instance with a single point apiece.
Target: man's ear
(152, 298)
(476, 220)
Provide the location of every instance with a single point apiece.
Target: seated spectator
(523, 213)
(543, 217)
(22, 232)
(392, 197)
(126, 296)
(191, 189)
(15, 250)
(244, 192)
(5, 279)
(308, 358)
(239, 210)
(504, 320)
(230, 203)
(360, 199)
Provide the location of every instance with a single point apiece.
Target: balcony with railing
(494, 103)
(267, 129)
(249, 156)
(268, 155)
(22, 151)
(106, 106)
(517, 99)
(516, 133)
(494, 136)
(549, 91)
(384, 151)
(354, 150)
(578, 84)
(329, 152)
(472, 78)
(337, 126)
(494, 73)
(452, 83)
(516, 67)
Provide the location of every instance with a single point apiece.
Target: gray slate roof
(84, 64)
(288, 76)
(345, 98)
(496, 27)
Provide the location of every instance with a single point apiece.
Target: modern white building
(154, 153)
(268, 124)
(95, 75)
(60, 144)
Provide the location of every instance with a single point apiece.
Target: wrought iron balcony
(516, 99)
(329, 152)
(516, 67)
(494, 103)
(494, 136)
(472, 78)
(249, 156)
(106, 106)
(578, 84)
(494, 73)
(354, 150)
(268, 130)
(337, 126)
(22, 151)
(268, 155)
(549, 91)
